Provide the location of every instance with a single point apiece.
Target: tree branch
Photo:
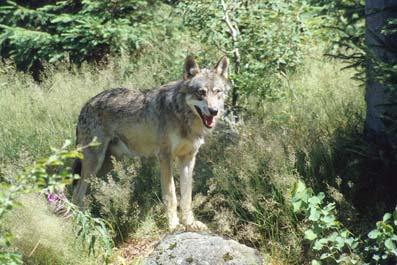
(234, 32)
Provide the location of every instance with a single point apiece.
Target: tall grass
(35, 116)
(43, 238)
(244, 179)
(243, 176)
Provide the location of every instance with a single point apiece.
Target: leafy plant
(263, 38)
(342, 23)
(332, 243)
(114, 199)
(94, 231)
(40, 177)
(49, 175)
(382, 241)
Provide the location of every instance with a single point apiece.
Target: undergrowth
(332, 243)
(47, 176)
(243, 175)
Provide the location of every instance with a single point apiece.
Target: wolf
(170, 121)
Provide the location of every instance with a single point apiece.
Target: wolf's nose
(213, 111)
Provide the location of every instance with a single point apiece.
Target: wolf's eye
(217, 91)
(202, 92)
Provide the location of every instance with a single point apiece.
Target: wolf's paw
(174, 225)
(196, 226)
(176, 228)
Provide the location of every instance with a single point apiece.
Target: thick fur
(170, 122)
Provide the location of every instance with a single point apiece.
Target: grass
(243, 176)
(35, 116)
(43, 238)
(248, 178)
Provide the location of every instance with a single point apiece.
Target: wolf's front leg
(186, 167)
(168, 190)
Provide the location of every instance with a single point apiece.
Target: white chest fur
(184, 146)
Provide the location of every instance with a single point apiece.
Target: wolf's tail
(76, 169)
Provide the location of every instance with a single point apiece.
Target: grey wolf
(170, 122)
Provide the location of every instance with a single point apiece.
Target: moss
(227, 257)
(172, 246)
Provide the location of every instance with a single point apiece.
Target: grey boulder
(201, 249)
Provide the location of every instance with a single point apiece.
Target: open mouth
(208, 121)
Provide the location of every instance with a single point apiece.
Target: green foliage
(49, 175)
(39, 177)
(332, 243)
(341, 25)
(94, 231)
(345, 18)
(382, 241)
(263, 38)
(8, 257)
(247, 201)
(72, 31)
(112, 197)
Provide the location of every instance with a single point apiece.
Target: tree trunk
(381, 103)
(378, 179)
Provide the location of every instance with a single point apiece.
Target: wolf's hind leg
(90, 166)
(186, 164)
(168, 190)
(116, 149)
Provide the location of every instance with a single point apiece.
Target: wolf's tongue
(209, 120)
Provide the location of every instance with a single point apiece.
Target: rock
(201, 249)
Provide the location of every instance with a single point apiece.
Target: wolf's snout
(213, 111)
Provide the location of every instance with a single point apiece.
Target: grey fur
(170, 121)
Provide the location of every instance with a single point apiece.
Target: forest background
(315, 180)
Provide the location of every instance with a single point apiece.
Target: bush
(263, 38)
(112, 197)
(332, 243)
(240, 180)
(75, 31)
(49, 175)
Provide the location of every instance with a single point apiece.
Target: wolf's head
(206, 89)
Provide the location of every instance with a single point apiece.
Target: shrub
(74, 31)
(263, 38)
(113, 199)
(381, 244)
(50, 175)
(332, 243)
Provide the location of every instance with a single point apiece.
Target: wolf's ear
(222, 67)
(191, 68)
